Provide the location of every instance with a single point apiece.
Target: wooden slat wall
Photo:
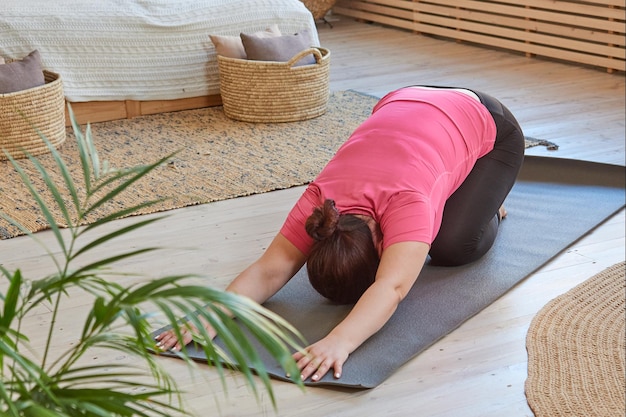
(590, 32)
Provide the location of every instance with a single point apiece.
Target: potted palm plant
(55, 382)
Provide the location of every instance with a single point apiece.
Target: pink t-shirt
(401, 165)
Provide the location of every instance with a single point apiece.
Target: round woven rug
(576, 350)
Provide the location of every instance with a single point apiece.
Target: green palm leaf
(40, 203)
(118, 319)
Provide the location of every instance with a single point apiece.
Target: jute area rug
(576, 350)
(218, 158)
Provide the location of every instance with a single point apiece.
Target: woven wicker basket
(319, 8)
(21, 112)
(268, 91)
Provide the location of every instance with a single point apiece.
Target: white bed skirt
(110, 50)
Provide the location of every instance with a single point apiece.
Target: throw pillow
(231, 46)
(21, 74)
(280, 49)
(1, 60)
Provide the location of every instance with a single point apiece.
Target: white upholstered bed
(120, 58)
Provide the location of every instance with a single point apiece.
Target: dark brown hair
(343, 260)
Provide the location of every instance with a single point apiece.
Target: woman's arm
(399, 267)
(278, 264)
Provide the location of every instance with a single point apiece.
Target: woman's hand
(319, 358)
(169, 341)
(399, 267)
(258, 282)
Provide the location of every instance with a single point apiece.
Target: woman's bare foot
(502, 212)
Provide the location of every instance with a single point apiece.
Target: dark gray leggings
(470, 217)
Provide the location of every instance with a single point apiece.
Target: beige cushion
(21, 74)
(1, 60)
(280, 48)
(231, 46)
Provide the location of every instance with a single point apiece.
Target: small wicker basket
(271, 92)
(319, 8)
(22, 112)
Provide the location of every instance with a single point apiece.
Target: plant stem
(57, 303)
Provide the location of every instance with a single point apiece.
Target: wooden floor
(480, 368)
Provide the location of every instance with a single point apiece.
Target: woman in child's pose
(424, 176)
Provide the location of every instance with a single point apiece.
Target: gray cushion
(21, 75)
(279, 49)
(232, 47)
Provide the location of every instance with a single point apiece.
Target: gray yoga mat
(553, 204)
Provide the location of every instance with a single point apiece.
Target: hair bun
(323, 222)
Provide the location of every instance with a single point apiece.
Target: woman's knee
(460, 249)
(452, 255)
